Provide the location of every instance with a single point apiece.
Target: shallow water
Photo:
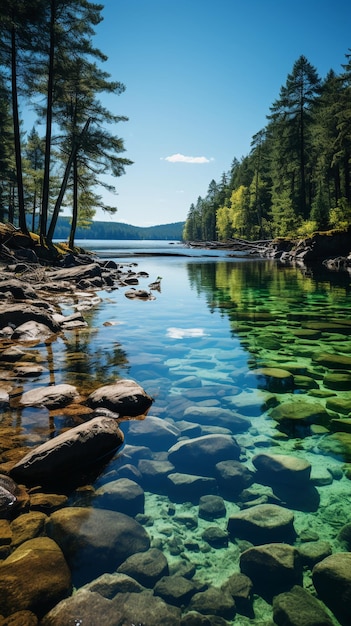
(213, 323)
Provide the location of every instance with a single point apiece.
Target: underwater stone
(201, 454)
(215, 536)
(334, 361)
(281, 468)
(274, 379)
(213, 601)
(213, 416)
(272, 567)
(232, 477)
(154, 474)
(34, 577)
(145, 567)
(339, 405)
(262, 524)
(154, 432)
(340, 381)
(144, 608)
(123, 495)
(95, 541)
(343, 424)
(298, 606)
(345, 536)
(184, 487)
(79, 608)
(28, 526)
(332, 580)
(314, 551)
(176, 590)
(240, 588)
(108, 585)
(338, 444)
(301, 412)
(211, 507)
(305, 382)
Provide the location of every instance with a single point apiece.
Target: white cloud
(181, 333)
(181, 158)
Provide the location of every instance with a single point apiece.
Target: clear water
(214, 321)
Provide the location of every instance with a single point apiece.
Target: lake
(230, 347)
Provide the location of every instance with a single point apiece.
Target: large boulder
(332, 580)
(124, 397)
(281, 468)
(95, 541)
(201, 454)
(79, 609)
(34, 577)
(232, 477)
(262, 523)
(71, 452)
(273, 568)
(298, 607)
(296, 417)
(123, 495)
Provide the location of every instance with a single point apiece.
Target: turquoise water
(222, 337)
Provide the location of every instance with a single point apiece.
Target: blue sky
(200, 76)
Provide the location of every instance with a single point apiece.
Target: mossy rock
(301, 412)
(337, 445)
(305, 382)
(333, 361)
(306, 333)
(339, 405)
(340, 381)
(342, 424)
(274, 379)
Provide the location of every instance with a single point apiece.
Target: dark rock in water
(95, 541)
(295, 418)
(274, 379)
(8, 499)
(154, 474)
(297, 607)
(314, 551)
(213, 601)
(108, 585)
(146, 567)
(281, 468)
(201, 454)
(211, 507)
(187, 487)
(344, 536)
(339, 381)
(262, 524)
(79, 608)
(215, 536)
(124, 397)
(214, 416)
(79, 448)
(176, 590)
(143, 608)
(332, 580)
(273, 568)
(34, 577)
(232, 478)
(17, 314)
(154, 432)
(334, 361)
(123, 495)
(339, 405)
(301, 497)
(240, 588)
(338, 445)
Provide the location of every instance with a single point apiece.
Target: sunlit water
(214, 320)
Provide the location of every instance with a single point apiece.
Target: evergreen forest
(296, 178)
(50, 68)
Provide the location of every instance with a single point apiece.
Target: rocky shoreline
(63, 561)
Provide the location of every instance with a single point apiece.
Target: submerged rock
(95, 541)
(201, 454)
(34, 577)
(262, 523)
(281, 468)
(273, 568)
(298, 606)
(332, 580)
(146, 567)
(214, 601)
(123, 495)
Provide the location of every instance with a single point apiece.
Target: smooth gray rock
(188, 487)
(124, 397)
(144, 608)
(154, 432)
(74, 450)
(122, 495)
(214, 601)
(211, 507)
(51, 397)
(79, 609)
(200, 455)
(281, 468)
(95, 541)
(232, 478)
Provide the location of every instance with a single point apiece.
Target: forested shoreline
(297, 177)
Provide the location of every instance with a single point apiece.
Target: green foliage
(88, 229)
(297, 177)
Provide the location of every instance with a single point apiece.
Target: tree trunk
(17, 137)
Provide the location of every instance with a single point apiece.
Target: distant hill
(119, 230)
